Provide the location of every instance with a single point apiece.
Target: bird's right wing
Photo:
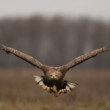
(84, 57)
(23, 56)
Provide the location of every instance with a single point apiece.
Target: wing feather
(85, 57)
(23, 56)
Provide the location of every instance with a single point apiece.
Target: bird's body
(53, 79)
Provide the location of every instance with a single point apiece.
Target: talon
(50, 91)
(54, 88)
(56, 94)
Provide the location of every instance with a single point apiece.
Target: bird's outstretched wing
(23, 56)
(85, 57)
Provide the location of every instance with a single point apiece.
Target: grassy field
(18, 91)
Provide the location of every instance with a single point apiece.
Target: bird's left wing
(23, 56)
(85, 57)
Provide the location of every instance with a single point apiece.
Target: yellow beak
(53, 77)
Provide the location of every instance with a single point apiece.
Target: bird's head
(53, 75)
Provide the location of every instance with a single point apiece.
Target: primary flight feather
(53, 79)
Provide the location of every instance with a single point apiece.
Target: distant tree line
(54, 41)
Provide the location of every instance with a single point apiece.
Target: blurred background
(55, 32)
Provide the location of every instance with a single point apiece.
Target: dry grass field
(18, 91)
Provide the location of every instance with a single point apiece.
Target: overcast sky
(91, 8)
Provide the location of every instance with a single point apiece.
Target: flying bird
(53, 79)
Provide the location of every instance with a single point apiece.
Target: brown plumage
(53, 79)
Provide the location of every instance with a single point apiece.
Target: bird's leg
(55, 91)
